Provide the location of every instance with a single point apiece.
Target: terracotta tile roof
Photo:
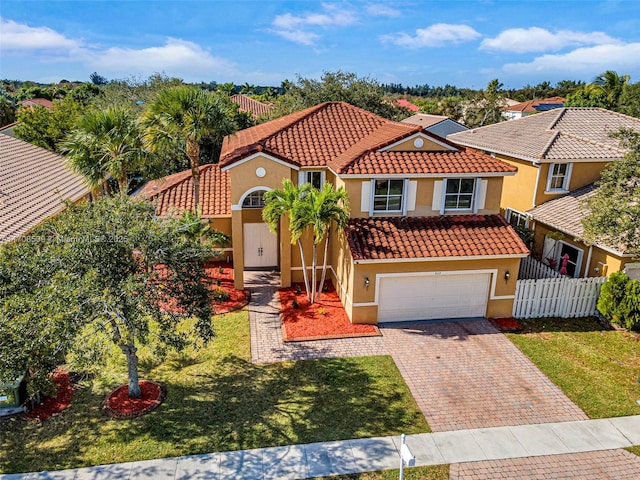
(530, 105)
(248, 104)
(388, 238)
(175, 192)
(34, 183)
(43, 102)
(401, 102)
(466, 160)
(567, 134)
(346, 138)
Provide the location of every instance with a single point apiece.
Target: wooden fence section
(530, 268)
(557, 297)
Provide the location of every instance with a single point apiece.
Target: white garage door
(427, 297)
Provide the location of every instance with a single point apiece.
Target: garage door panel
(425, 297)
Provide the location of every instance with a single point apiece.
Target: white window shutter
(436, 203)
(365, 200)
(482, 194)
(411, 196)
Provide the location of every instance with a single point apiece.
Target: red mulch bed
(322, 320)
(118, 404)
(507, 324)
(52, 405)
(221, 272)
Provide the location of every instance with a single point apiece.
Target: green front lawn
(596, 368)
(218, 400)
(438, 472)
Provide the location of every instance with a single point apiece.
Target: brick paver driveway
(466, 374)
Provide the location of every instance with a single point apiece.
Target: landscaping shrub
(611, 294)
(628, 312)
(219, 295)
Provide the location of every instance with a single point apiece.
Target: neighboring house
(524, 109)
(401, 102)
(425, 239)
(248, 104)
(34, 184)
(8, 129)
(556, 153)
(564, 215)
(441, 125)
(37, 102)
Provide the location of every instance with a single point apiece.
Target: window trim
(558, 259)
(474, 196)
(303, 177)
(403, 197)
(251, 195)
(565, 182)
(509, 211)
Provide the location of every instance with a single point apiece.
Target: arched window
(254, 199)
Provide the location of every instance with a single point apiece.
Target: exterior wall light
(366, 282)
(507, 275)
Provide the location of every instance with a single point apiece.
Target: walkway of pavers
(473, 454)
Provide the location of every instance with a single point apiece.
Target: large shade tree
(188, 116)
(106, 143)
(108, 266)
(614, 210)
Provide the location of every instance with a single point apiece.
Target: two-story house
(559, 154)
(425, 239)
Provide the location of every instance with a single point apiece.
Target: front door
(260, 246)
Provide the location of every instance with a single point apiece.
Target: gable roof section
(432, 238)
(532, 106)
(563, 134)
(34, 183)
(404, 103)
(346, 139)
(248, 104)
(175, 192)
(426, 120)
(42, 102)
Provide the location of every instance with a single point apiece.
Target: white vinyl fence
(530, 268)
(557, 297)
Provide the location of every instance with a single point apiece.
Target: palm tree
(188, 115)
(286, 201)
(612, 84)
(106, 143)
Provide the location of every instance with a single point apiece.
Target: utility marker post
(405, 456)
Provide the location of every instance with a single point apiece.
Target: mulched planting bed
(52, 405)
(507, 324)
(322, 320)
(119, 405)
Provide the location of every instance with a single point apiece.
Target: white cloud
(299, 28)
(437, 35)
(380, 10)
(174, 56)
(585, 61)
(19, 37)
(536, 39)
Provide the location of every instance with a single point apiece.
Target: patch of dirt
(321, 320)
(53, 405)
(119, 405)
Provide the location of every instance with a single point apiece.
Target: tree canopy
(614, 210)
(102, 269)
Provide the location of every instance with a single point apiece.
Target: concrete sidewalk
(372, 454)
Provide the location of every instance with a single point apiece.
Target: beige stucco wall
(408, 146)
(581, 174)
(517, 190)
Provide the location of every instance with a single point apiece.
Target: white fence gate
(557, 297)
(532, 268)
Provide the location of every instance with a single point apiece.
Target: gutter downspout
(588, 265)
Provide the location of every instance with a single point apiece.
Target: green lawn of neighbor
(438, 472)
(596, 367)
(217, 400)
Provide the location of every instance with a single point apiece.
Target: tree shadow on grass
(239, 406)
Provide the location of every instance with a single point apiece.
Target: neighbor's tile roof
(43, 102)
(401, 102)
(345, 138)
(34, 183)
(425, 120)
(530, 105)
(248, 104)
(563, 134)
(175, 192)
(432, 237)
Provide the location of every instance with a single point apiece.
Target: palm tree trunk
(132, 367)
(324, 263)
(314, 262)
(123, 185)
(193, 152)
(304, 270)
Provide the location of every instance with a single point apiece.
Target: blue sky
(463, 43)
